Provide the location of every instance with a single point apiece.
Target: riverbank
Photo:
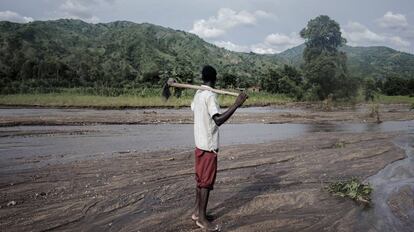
(71, 100)
(260, 187)
(287, 113)
(77, 100)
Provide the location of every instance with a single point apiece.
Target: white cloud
(231, 46)
(393, 21)
(399, 42)
(203, 29)
(224, 20)
(273, 43)
(280, 39)
(260, 48)
(278, 42)
(76, 9)
(263, 49)
(82, 9)
(359, 35)
(14, 17)
(264, 14)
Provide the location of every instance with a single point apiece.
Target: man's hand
(241, 99)
(219, 119)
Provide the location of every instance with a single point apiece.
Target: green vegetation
(71, 59)
(325, 67)
(352, 189)
(41, 56)
(150, 99)
(71, 99)
(287, 80)
(376, 62)
(371, 90)
(395, 85)
(339, 144)
(395, 99)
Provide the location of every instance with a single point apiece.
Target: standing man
(207, 120)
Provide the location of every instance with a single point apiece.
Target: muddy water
(390, 185)
(68, 143)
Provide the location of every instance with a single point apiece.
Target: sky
(260, 26)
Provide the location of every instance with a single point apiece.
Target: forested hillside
(376, 62)
(72, 53)
(46, 55)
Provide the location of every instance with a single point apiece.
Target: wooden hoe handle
(188, 86)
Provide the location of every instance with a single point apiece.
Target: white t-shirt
(206, 132)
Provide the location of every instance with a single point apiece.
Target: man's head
(209, 75)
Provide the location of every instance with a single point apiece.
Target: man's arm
(219, 119)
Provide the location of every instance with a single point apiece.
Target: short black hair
(208, 74)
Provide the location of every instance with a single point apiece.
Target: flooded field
(68, 143)
(138, 177)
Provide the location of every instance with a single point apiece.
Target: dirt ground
(277, 186)
(300, 114)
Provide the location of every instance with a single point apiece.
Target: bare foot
(207, 226)
(209, 217)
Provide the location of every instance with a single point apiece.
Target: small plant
(353, 189)
(339, 144)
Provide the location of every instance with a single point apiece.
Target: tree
(286, 80)
(322, 34)
(395, 85)
(228, 80)
(325, 67)
(370, 89)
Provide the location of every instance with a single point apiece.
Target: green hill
(72, 53)
(364, 61)
(45, 55)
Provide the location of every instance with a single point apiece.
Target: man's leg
(206, 169)
(197, 202)
(202, 214)
(204, 194)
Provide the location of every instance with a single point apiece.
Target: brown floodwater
(69, 143)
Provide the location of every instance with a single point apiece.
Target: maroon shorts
(205, 168)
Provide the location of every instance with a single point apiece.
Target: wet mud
(271, 186)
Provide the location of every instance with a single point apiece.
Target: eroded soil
(277, 186)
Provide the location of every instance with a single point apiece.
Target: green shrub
(352, 189)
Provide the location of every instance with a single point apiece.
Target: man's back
(206, 132)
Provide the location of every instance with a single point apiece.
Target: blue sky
(261, 26)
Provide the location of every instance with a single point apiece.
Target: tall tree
(325, 67)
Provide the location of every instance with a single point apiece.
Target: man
(207, 119)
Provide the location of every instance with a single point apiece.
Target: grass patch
(384, 99)
(352, 189)
(339, 144)
(151, 97)
(395, 99)
(70, 99)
